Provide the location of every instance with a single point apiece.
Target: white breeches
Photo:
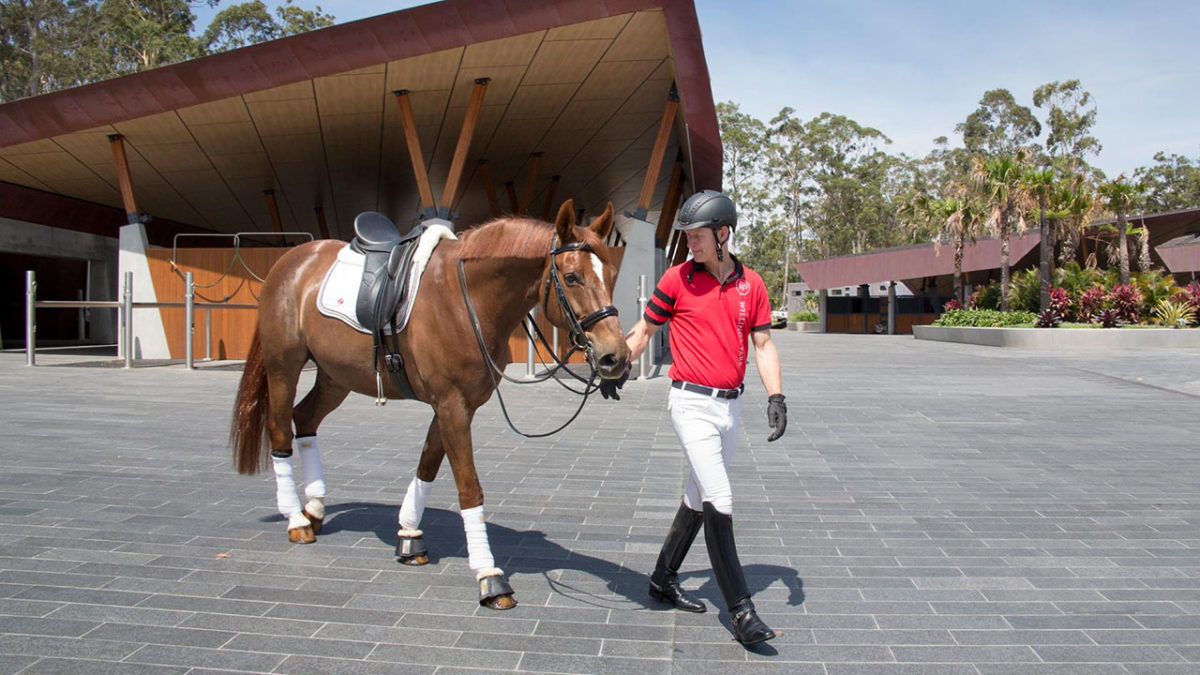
(707, 428)
(314, 482)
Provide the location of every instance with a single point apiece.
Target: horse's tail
(248, 433)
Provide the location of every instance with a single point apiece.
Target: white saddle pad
(339, 290)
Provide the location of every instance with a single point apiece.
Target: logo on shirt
(743, 287)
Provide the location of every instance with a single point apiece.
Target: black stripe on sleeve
(657, 308)
(664, 297)
(650, 318)
(765, 326)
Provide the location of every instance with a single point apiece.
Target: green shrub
(985, 318)
(1174, 314)
(1025, 291)
(985, 297)
(805, 316)
(1155, 287)
(1076, 279)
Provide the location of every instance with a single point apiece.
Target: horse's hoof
(410, 550)
(314, 510)
(495, 592)
(315, 521)
(301, 535)
(500, 602)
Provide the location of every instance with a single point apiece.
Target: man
(714, 304)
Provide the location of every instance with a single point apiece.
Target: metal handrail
(125, 309)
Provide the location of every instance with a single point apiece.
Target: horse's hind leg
(324, 398)
(282, 375)
(410, 540)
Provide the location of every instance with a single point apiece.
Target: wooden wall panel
(232, 329)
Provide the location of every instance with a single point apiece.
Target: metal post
(643, 360)
(891, 317)
(30, 316)
(82, 332)
(529, 348)
(189, 319)
(127, 318)
(208, 333)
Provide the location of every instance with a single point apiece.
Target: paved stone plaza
(933, 508)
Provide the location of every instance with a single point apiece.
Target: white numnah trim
(339, 290)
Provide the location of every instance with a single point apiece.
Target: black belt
(708, 391)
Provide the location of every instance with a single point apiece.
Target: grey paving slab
(934, 509)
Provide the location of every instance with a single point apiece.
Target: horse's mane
(507, 238)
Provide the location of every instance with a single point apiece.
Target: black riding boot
(718, 536)
(664, 582)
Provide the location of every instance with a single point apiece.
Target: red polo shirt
(710, 322)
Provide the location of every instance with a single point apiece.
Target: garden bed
(1065, 339)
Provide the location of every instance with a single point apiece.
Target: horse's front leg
(410, 540)
(454, 423)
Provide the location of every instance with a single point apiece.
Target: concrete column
(639, 259)
(891, 323)
(149, 336)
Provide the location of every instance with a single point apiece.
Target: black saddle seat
(373, 231)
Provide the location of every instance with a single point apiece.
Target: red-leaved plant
(1060, 302)
(952, 305)
(1126, 301)
(1091, 302)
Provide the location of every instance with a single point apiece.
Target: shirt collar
(738, 271)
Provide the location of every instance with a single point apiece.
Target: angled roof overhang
(909, 262)
(1181, 254)
(312, 117)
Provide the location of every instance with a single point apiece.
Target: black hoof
(411, 551)
(496, 593)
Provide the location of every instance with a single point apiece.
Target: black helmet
(707, 208)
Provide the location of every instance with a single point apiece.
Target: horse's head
(578, 290)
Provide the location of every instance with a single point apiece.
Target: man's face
(703, 245)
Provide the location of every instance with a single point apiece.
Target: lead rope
(494, 369)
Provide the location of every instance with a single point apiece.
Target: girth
(387, 257)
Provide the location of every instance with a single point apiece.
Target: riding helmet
(707, 208)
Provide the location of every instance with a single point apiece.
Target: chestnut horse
(509, 265)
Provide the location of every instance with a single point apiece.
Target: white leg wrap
(297, 519)
(315, 508)
(285, 486)
(413, 508)
(310, 461)
(479, 553)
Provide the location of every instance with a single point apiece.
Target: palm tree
(1040, 184)
(1000, 179)
(1120, 197)
(1074, 206)
(955, 218)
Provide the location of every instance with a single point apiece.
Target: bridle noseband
(576, 326)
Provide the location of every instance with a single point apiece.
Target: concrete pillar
(639, 259)
(149, 336)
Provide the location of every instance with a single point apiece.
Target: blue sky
(915, 69)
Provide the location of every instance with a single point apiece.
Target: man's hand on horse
(608, 388)
(776, 416)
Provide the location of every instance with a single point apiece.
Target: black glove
(776, 415)
(608, 388)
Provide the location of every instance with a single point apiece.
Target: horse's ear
(565, 224)
(603, 225)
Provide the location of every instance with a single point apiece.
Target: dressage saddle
(387, 258)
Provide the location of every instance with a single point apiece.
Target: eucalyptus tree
(999, 126)
(1171, 183)
(1120, 197)
(999, 179)
(251, 22)
(789, 165)
(1070, 116)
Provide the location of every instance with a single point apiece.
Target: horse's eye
(572, 279)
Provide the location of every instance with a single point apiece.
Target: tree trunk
(1045, 253)
(1004, 271)
(1122, 247)
(958, 264)
(1144, 251)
